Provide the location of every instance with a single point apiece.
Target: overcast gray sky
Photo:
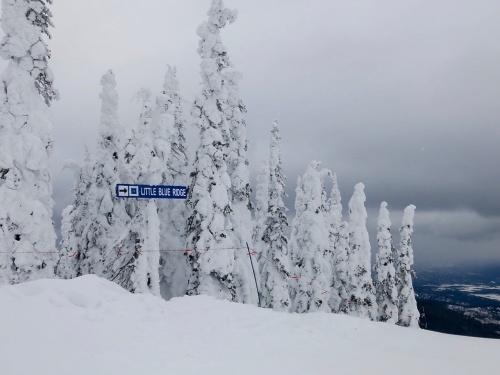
(403, 96)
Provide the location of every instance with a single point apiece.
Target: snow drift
(91, 326)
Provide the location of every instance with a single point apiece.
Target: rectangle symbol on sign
(151, 191)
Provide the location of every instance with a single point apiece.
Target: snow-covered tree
(178, 159)
(339, 245)
(233, 109)
(309, 245)
(275, 270)
(407, 305)
(261, 205)
(341, 268)
(27, 237)
(385, 273)
(213, 221)
(171, 147)
(97, 219)
(75, 218)
(137, 259)
(362, 300)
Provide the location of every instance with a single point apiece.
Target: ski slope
(89, 326)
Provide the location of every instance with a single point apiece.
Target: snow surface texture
(91, 326)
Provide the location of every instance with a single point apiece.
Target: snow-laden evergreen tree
(136, 266)
(385, 273)
(407, 305)
(261, 206)
(172, 212)
(75, 218)
(339, 245)
(275, 272)
(211, 223)
(362, 301)
(341, 268)
(309, 245)
(96, 220)
(232, 108)
(27, 237)
(178, 159)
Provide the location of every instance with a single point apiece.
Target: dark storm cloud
(408, 105)
(464, 226)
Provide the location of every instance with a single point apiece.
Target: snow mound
(91, 326)
(86, 297)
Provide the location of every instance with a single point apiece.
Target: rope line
(293, 277)
(252, 253)
(121, 250)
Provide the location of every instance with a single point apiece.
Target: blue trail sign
(151, 191)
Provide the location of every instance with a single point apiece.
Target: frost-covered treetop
(109, 103)
(275, 156)
(408, 216)
(276, 127)
(383, 218)
(335, 202)
(219, 16)
(262, 191)
(356, 205)
(406, 231)
(171, 83)
(211, 49)
(336, 199)
(308, 190)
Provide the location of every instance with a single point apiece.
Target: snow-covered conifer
(137, 259)
(362, 300)
(75, 218)
(341, 268)
(178, 159)
(261, 204)
(27, 237)
(407, 305)
(96, 220)
(275, 270)
(385, 273)
(339, 245)
(211, 224)
(335, 204)
(309, 245)
(232, 108)
(172, 213)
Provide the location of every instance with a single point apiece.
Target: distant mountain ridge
(463, 300)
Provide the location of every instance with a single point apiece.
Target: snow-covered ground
(89, 326)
